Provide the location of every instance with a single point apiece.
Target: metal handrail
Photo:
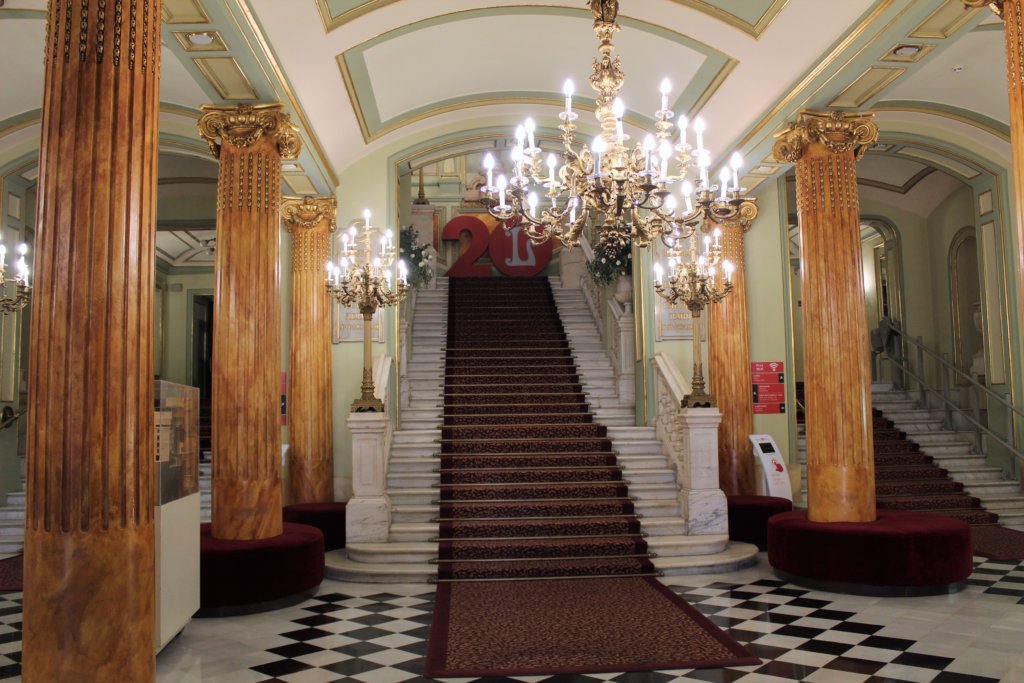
(963, 375)
(9, 417)
(952, 406)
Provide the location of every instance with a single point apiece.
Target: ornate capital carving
(245, 124)
(995, 5)
(308, 212)
(838, 131)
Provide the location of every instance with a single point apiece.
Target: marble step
(416, 532)
(423, 513)
(427, 464)
(643, 492)
(1004, 504)
(416, 436)
(338, 565)
(987, 489)
(423, 479)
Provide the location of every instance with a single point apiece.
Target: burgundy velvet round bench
(899, 554)
(329, 518)
(244, 577)
(748, 517)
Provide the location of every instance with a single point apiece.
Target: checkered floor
(378, 634)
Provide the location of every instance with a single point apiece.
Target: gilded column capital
(245, 124)
(308, 212)
(838, 131)
(995, 5)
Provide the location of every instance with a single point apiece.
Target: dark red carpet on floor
(522, 628)
(531, 488)
(11, 573)
(997, 542)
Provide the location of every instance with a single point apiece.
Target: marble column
(89, 538)
(1012, 14)
(310, 221)
(825, 147)
(250, 141)
(729, 369)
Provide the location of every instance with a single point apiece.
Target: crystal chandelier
(23, 290)
(626, 191)
(362, 278)
(693, 282)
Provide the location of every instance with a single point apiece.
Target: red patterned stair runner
(530, 486)
(906, 479)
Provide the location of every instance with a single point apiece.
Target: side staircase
(921, 465)
(417, 461)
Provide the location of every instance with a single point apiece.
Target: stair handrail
(9, 417)
(951, 406)
(920, 345)
(670, 388)
(591, 290)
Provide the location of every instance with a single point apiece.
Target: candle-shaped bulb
(344, 241)
(724, 176)
(403, 272)
(520, 134)
(698, 126)
(329, 267)
(618, 108)
(502, 184)
(666, 88)
(552, 165)
(650, 144)
(531, 202)
(736, 160)
(530, 128)
(366, 216)
(729, 268)
(572, 209)
(658, 273)
(671, 204)
(569, 88)
(22, 248)
(352, 231)
(683, 124)
(489, 166)
(665, 152)
(717, 233)
(376, 262)
(687, 189)
(707, 241)
(389, 234)
(598, 147)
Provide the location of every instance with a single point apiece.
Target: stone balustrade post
(368, 512)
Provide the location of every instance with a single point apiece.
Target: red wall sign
(769, 387)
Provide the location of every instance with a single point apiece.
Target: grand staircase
(921, 466)
(522, 478)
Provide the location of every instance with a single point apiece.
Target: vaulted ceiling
(362, 75)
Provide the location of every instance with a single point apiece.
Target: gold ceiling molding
(949, 18)
(840, 132)
(332, 22)
(822, 66)
(899, 189)
(755, 29)
(943, 113)
(874, 80)
(185, 12)
(268, 52)
(226, 77)
(299, 184)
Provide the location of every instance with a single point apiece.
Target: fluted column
(729, 365)
(840, 461)
(89, 553)
(1012, 14)
(310, 221)
(250, 142)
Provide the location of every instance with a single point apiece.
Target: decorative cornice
(243, 125)
(838, 131)
(995, 5)
(308, 212)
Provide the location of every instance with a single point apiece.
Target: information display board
(769, 387)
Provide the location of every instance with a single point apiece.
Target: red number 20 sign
(511, 251)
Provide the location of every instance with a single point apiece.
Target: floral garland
(417, 258)
(610, 262)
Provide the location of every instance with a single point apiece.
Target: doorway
(202, 344)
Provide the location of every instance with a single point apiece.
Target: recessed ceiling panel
(869, 84)
(944, 21)
(888, 169)
(226, 77)
(409, 73)
(184, 12)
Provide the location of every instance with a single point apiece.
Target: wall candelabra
(695, 280)
(362, 279)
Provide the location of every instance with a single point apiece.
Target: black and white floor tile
(378, 634)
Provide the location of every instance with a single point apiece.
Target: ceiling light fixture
(200, 38)
(906, 50)
(625, 191)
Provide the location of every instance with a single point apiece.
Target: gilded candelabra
(693, 282)
(23, 291)
(626, 190)
(363, 280)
